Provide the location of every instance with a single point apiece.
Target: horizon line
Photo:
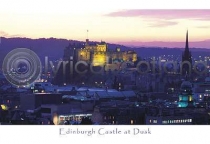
(122, 43)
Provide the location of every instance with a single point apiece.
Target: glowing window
(4, 107)
(131, 121)
(190, 98)
(61, 118)
(164, 122)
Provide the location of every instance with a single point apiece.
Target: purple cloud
(162, 23)
(170, 14)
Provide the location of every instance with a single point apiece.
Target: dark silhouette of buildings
(66, 73)
(118, 84)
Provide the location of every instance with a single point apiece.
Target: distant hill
(169, 44)
(145, 52)
(53, 48)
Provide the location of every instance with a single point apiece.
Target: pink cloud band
(166, 14)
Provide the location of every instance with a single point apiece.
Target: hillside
(53, 48)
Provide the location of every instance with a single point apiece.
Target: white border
(158, 134)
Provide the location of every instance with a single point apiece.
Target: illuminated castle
(95, 54)
(98, 54)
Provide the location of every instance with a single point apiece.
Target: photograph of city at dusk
(66, 63)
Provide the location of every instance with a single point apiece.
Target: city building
(32, 102)
(176, 116)
(169, 120)
(202, 92)
(60, 113)
(186, 95)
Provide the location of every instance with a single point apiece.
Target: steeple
(186, 45)
(186, 57)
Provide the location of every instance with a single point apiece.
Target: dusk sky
(104, 20)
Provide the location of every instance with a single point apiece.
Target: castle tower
(87, 40)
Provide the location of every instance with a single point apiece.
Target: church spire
(186, 56)
(187, 46)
